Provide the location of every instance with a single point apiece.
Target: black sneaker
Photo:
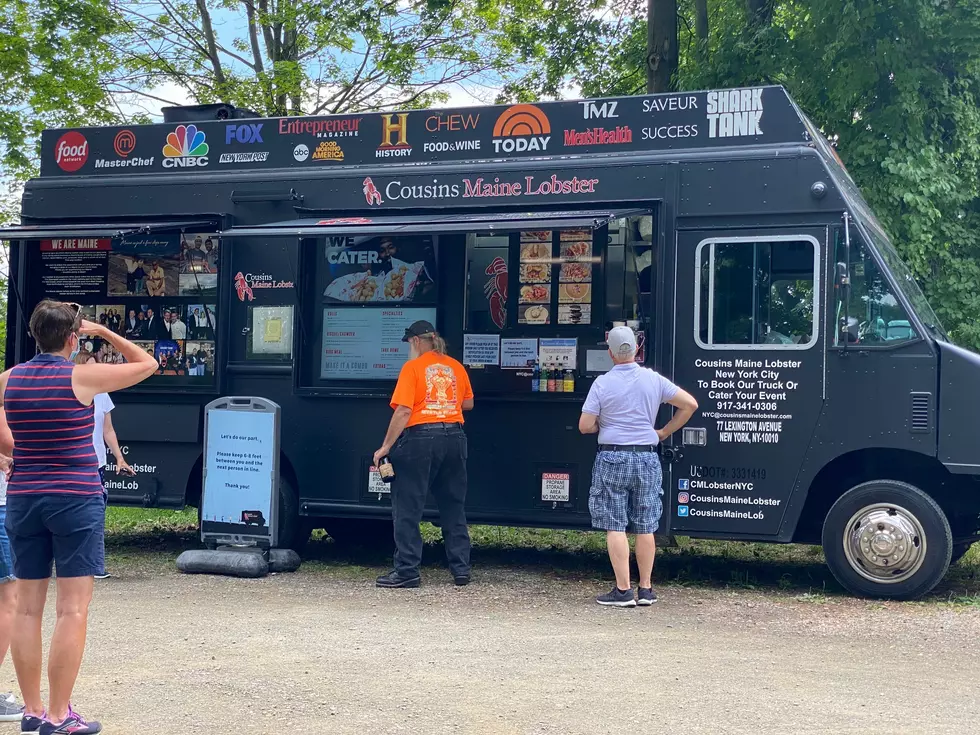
(74, 724)
(29, 724)
(617, 598)
(394, 579)
(461, 580)
(645, 597)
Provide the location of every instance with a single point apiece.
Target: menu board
(156, 290)
(534, 295)
(366, 343)
(555, 263)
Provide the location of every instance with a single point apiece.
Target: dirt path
(515, 653)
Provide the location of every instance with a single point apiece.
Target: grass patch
(152, 539)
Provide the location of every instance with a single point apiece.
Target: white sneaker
(10, 709)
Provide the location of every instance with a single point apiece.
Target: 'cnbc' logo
(186, 148)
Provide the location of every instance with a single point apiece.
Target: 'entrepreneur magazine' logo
(186, 147)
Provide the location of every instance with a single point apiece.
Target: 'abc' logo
(245, 133)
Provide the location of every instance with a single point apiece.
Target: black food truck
(284, 257)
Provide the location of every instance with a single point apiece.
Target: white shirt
(626, 400)
(103, 404)
(178, 330)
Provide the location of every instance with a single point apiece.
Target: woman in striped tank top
(55, 511)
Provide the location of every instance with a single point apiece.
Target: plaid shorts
(626, 490)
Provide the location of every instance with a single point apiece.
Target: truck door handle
(672, 454)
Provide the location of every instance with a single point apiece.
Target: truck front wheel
(887, 539)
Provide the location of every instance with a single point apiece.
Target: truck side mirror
(846, 331)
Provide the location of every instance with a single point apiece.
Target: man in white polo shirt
(627, 480)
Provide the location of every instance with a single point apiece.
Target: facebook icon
(683, 484)
(682, 511)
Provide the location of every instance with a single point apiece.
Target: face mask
(74, 353)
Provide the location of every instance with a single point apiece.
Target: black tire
(959, 551)
(368, 533)
(294, 530)
(904, 514)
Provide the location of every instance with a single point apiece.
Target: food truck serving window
(757, 293)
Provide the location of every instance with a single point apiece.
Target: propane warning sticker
(376, 485)
(555, 486)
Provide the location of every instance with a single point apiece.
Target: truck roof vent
(205, 113)
(921, 422)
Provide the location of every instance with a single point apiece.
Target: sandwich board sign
(239, 504)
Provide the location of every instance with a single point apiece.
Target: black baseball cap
(418, 329)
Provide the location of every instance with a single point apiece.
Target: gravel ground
(516, 652)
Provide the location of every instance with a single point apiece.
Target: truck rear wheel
(887, 539)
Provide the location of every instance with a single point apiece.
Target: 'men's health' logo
(186, 147)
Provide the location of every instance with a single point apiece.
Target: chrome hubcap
(884, 543)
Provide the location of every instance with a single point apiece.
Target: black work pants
(430, 457)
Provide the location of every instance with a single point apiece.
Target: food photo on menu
(534, 314)
(380, 269)
(575, 272)
(535, 273)
(575, 293)
(536, 251)
(535, 293)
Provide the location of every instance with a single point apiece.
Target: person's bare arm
(467, 404)
(112, 441)
(6, 438)
(686, 405)
(399, 420)
(89, 380)
(588, 423)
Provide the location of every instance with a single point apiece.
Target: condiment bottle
(569, 381)
(551, 379)
(536, 378)
(385, 469)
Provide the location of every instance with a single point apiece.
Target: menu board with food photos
(534, 296)
(555, 266)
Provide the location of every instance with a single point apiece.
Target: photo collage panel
(159, 291)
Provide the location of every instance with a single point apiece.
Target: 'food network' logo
(186, 147)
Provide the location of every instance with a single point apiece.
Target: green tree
(54, 56)
(288, 57)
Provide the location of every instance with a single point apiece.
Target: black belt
(627, 448)
(440, 427)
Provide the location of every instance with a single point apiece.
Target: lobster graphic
(242, 287)
(371, 193)
(496, 291)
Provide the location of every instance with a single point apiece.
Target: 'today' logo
(186, 147)
(246, 133)
(71, 151)
(521, 129)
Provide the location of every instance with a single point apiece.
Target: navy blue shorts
(63, 529)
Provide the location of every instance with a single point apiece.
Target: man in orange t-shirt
(427, 448)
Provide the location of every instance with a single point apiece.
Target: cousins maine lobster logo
(371, 193)
(242, 287)
(496, 291)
